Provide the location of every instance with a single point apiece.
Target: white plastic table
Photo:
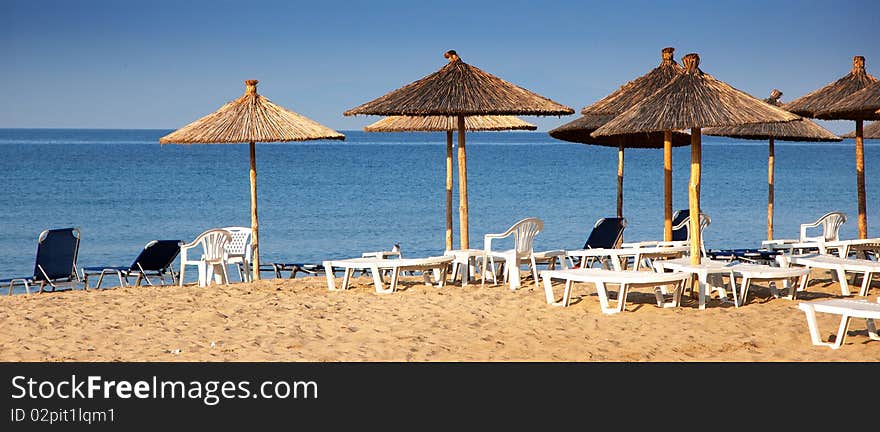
(625, 279)
(464, 262)
(395, 266)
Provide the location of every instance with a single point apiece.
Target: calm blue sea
(332, 199)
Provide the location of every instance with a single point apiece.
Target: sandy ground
(300, 320)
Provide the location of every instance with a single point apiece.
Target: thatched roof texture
(460, 89)
(579, 130)
(628, 95)
(870, 131)
(638, 89)
(798, 130)
(863, 104)
(448, 123)
(251, 118)
(694, 99)
(816, 103)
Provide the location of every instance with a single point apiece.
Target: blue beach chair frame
(55, 261)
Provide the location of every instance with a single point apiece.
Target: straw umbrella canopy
(870, 131)
(603, 110)
(694, 100)
(461, 90)
(249, 119)
(448, 124)
(579, 130)
(821, 104)
(799, 130)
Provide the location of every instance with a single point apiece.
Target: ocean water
(336, 199)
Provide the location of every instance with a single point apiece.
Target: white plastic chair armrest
(487, 239)
(808, 225)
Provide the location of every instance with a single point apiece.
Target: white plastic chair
(830, 223)
(213, 244)
(705, 220)
(523, 233)
(239, 251)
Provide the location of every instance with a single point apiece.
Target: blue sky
(162, 64)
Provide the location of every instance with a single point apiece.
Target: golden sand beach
(300, 320)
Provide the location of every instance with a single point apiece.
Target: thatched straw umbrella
(798, 130)
(870, 131)
(579, 131)
(461, 90)
(448, 124)
(249, 119)
(631, 94)
(818, 103)
(694, 100)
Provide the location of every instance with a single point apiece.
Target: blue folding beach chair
(607, 233)
(55, 263)
(155, 260)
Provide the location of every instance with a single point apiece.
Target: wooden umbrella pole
(255, 224)
(462, 186)
(667, 185)
(694, 196)
(620, 179)
(449, 245)
(771, 161)
(860, 178)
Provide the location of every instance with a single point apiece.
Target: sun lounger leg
(676, 294)
(535, 272)
(331, 277)
(841, 279)
(378, 281)
(346, 278)
(548, 292)
(444, 272)
(841, 331)
(395, 276)
(621, 297)
(815, 336)
(866, 284)
(743, 293)
(603, 298)
(872, 329)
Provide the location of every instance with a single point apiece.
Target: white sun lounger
(626, 279)
(841, 266)
(747, 272)
(376, 266)
(847, 309)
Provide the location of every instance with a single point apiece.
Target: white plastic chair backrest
(240, 245)
(705, 220)
(524, 233)
(830, 223)
(214, 242)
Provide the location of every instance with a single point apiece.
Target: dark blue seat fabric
(606, 233)
(55, 263)
(155, 259)
(678, 217)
